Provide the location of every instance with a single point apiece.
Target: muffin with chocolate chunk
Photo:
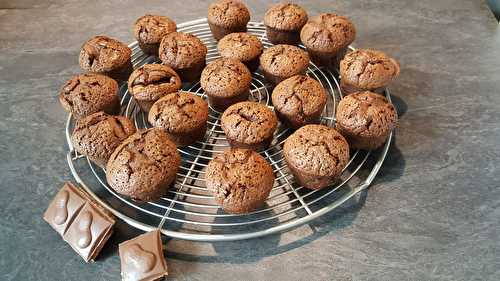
(183, 116)
(227, 16)
(150, 29)
(249, 125)
(226, 82)
(283, 61)
(185, 53)
(241, 46)
(299, 100)
(150, 82)
(283, 23)
(97, 135)
(366, 69)
(240, 179)
(327, 38)
(89, 93)
(365, 119)
(316, 155)
(107, 56)
(144, 165)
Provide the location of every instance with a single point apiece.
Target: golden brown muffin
(283, 61)
(240, 179)
(98, 135)
(185, 53)
(283, 23)
(183, 116)
(150, 82)
(249, 125)
(366, 69)
(365, 119)
(108, 56)
(241, 46)
(227, 16)
(327, 37)
(89, 93)
(316, 155)
(299, 100)
(150, 29)
(144, 165)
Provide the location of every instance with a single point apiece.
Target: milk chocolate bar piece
(64, 208)
(89, 231)
(142, 258)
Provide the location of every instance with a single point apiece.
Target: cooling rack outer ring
(212, 237)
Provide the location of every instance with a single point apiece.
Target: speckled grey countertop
(433, 213)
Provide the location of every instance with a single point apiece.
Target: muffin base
(277, 79)
(150, 49)
(252, 64)
(238, 207)
(221, 103)
(191, 74)
(122, 73)
(295, 124)
(289, 37)
(361, 142)
(349, 89)
(310, 181)
(188, 138)
(218, 31)
(328, 59)
(254, 146)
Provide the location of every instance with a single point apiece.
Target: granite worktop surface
(433, 212)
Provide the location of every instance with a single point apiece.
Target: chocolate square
(64, 208)
(89, 231)
(142, 258)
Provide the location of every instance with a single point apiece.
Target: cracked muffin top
(179, 112)
(284, 60)
(328, 33)
(368, 69)
(103, 54)
(225, 78)
(228, 13)
(182, 50)
(240, 46)
(152, 81)
(99, 134)
(366, 114)
(317, 150)
(144, 165)
(89, 93)
(150, 29)
(240, 179)
(249, 122)
(285, 16)
(300, 98)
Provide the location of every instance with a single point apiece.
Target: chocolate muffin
(108, 56)
(299, 100)
(185, 53)
(327, 38)
(283, 23)
(241, 46)
(316, 155)
(97, 135)
(240, 179)
(144, 165)
(367, 70)
(89, 93)
(226, 82)
(150, 82)
(365, 119)
(183, 116)
(249, 125)
(150, 29)
(283, 61)
(227, 16)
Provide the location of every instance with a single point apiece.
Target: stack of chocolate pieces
(82, 222)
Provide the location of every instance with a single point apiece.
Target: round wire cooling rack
(189, 211)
